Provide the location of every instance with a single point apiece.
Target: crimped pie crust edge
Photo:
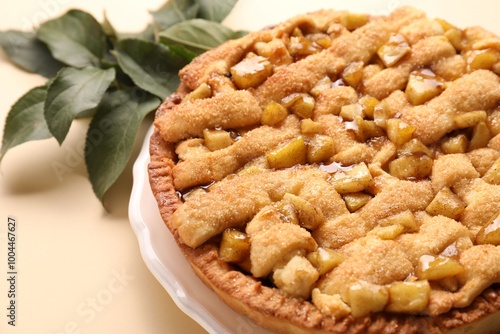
(268, 306)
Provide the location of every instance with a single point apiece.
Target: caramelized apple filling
(353, 162)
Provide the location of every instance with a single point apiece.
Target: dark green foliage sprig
(115, 78)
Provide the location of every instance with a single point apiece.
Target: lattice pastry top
(340, 171)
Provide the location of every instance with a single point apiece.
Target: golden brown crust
(217, 60)
(266, 305)
(270, 308)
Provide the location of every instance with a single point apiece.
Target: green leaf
(152, 66)
(186, 54)
(175, 11)
(198, 35)
(71, 92)
(108, 29)
(75, 39)
(215, 10)
(111, 135)
(27, 52)
(25, 121)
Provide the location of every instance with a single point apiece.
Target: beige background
(79, 267)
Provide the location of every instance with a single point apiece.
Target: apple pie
(340, 173)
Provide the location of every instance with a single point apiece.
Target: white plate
(158, 247)
(168, 265)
